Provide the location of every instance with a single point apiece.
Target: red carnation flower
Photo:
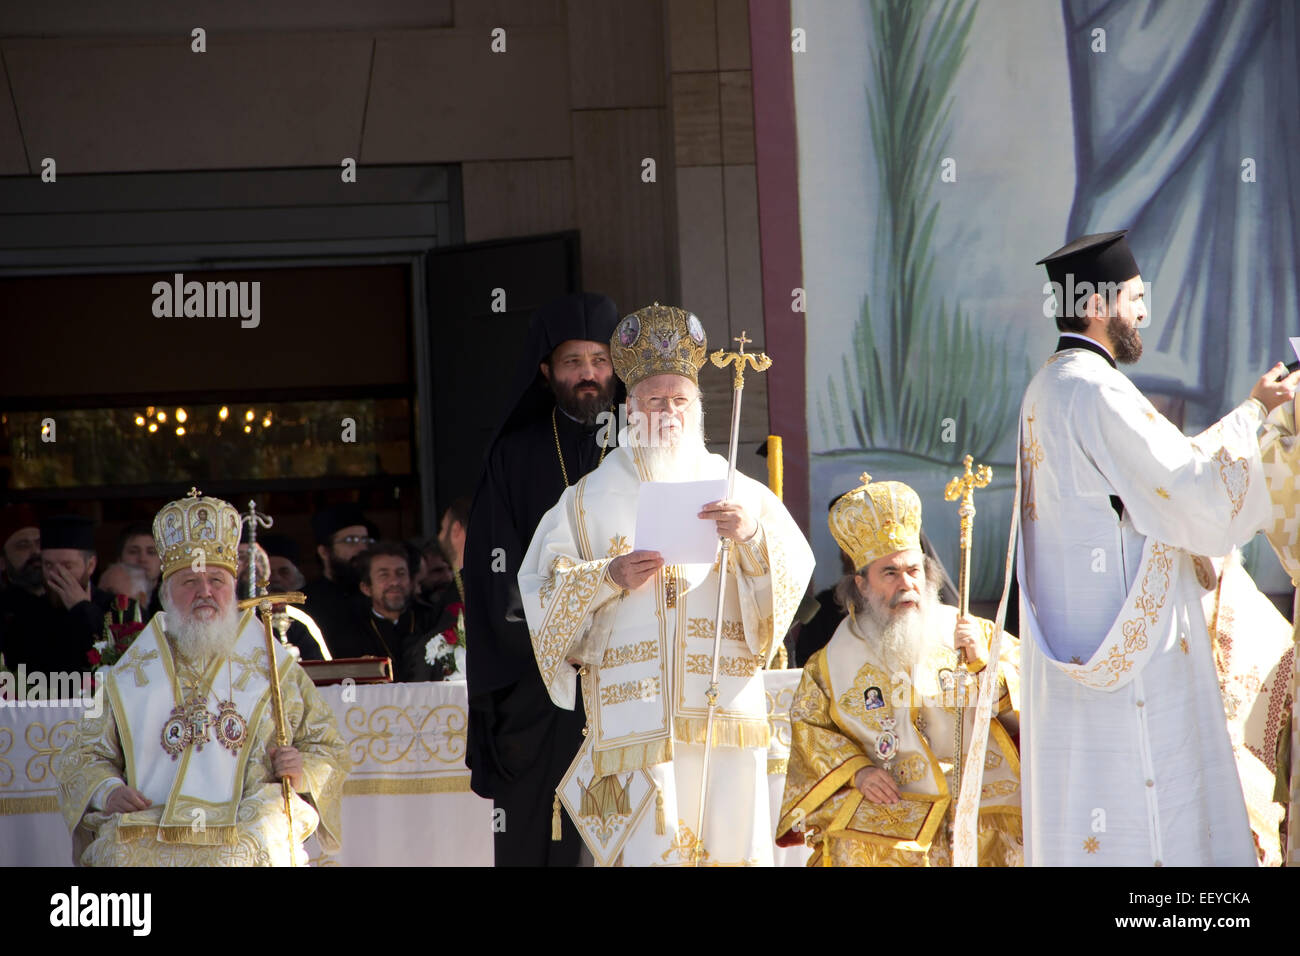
(93, 657)
(120, 601)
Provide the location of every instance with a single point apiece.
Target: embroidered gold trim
(727, 666)
(630, 654)
(632, 756)
(458, 783)
(727, 731)
(647, 689)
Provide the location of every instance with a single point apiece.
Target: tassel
(851, 618)
(661, 825)
(555, 819)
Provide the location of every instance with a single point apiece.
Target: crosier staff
(962, 488)
(264, 602)
(759, 362)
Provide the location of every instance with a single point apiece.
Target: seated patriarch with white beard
(639, 632)
(177, 763)
(873, 723)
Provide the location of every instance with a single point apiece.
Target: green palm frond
(917, 361)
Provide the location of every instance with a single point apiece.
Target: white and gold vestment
(212, 806)
(1126, 752)
(646, 657)
(852, 711)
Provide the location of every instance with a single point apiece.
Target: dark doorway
(474, 348)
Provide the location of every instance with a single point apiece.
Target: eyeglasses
(678, 403)
(354, 539)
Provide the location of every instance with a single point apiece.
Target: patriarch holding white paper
(638, 629)
(668, 520)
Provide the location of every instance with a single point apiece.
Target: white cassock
(633, 790)
(1126, 758)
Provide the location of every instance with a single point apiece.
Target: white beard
(679, 461)
(902, 636)
(200, 642)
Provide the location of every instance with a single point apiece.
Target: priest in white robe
(178, 763)
(1126, 754)
(873, 723)
(639, 633)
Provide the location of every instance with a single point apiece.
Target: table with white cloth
(407, 801)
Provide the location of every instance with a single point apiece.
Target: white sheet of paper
(1295, 346)
(667, 520)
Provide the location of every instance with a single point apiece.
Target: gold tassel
(851, 618)
(661, 825)
(555, 819)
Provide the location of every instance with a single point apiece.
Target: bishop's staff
(759, 362)
(962, 488)
(264, 603)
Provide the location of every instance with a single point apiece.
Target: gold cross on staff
(758, 361)
(963, 487)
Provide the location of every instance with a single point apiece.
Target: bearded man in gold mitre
(176, 763)
(874, 717)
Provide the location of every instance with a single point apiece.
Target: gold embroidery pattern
(390, 734)
(1162, 493)
(854, 699)
(618, 546)
(702, 627)
(577, 587)
(1235, 475)
(778, 715)
(1091, 845)
(630, 654)
(992, 760)
(682, 849)
(45, 744)
(647, 689)
(999, 788)
(605, 805)
(728, 666)
(1031, 456)
(558, 564)
(1154, 593)
(913, 768)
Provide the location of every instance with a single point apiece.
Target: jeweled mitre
(194, 524)
(658, 340)
(876, 519)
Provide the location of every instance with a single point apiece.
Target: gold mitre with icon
(658, 340)
(197, 524)
(876, 519)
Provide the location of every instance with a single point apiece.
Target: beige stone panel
(444, 96)
(744, 264)
(119, 106)
(692, 35)
(697, 127)
(623, 221)
(733, 34)
(616, 53)
(519, 198)
(702, 247)
(737, 98)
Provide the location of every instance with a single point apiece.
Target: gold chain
(555, 430)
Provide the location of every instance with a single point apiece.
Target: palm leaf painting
(915, 360)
